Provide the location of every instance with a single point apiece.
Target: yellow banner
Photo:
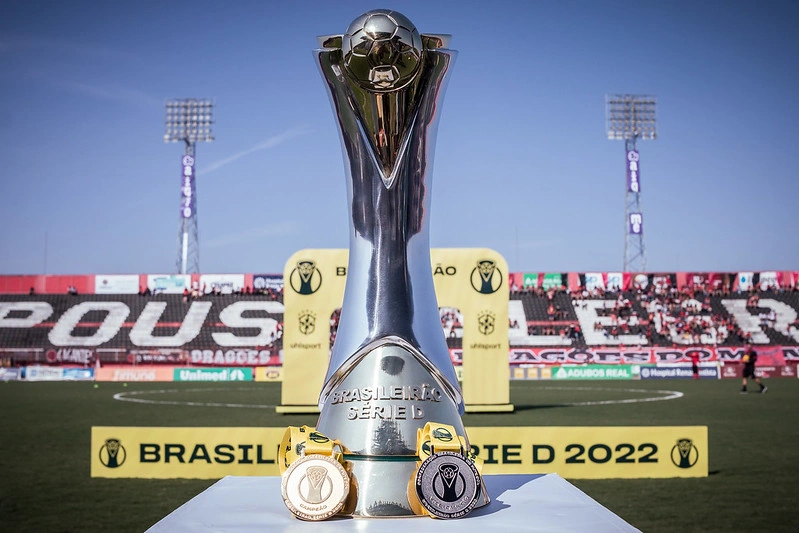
(470, 281)
(171, 452)
(572, 452)
(594, 452)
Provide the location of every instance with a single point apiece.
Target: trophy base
(379, 490)
(376, 411)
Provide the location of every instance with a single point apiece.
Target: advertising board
(575, 452)
(594, 372)
(679, 372)
(213, 374)
(116, 284)
(10, 374)
(134, 373)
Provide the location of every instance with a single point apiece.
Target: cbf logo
(307, 321)
(112, 453)
(486, 322)
(684, 454)
(305, 278)
(486, 278)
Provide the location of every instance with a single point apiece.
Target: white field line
(664, 395)
(127, 397)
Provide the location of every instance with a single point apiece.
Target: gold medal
(315, 487)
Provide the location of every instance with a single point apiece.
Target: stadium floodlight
(188, 120)
(630, 117)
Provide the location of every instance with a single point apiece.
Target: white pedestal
(545, 503)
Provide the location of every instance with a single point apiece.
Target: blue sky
(522, 163)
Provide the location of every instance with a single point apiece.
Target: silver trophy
(390, 371)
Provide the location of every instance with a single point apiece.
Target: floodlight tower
(631, 117)
(188, 120)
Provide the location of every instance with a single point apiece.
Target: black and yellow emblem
(486, 322)
(486, 278)
(447, 485)
(684, 454)
(443, 434)
(305, 278)
(112, 453)
(307, 322)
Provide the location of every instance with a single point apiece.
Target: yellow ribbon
(434, 438)
(305, 440)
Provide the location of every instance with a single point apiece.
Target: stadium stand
(229, 324)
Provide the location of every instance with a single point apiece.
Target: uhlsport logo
(112, 453)
(307, 321)
(486, 278)
(485, 322)
(684, 454)
(305, 278)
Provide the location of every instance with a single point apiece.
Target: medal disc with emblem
(315, 487)
(448, 485)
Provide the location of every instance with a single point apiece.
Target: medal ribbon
(431, 439)
(305, 440)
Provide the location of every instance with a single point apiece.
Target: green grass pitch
(754, 450)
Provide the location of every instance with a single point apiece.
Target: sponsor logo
(486, 322)
(307, 322)
(593, 372)
(684, 454)
(318, 437)
(232, 357)
(9, 374)
(213, 374)
(486, 278)
(133, 375)
(305, 278)
(113, 454)
(442, 434)
(632, 171)
(81, 356)
(267, 281)
(678, 372)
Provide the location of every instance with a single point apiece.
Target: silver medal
(448, 485)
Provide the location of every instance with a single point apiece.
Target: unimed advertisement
(572, 452)
(213, 374)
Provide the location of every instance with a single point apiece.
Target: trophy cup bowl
(390, 370)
